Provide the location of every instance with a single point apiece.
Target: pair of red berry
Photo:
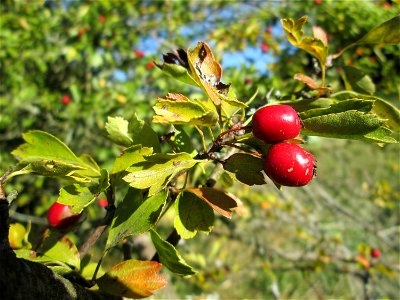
(286, 163)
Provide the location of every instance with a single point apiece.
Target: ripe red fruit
(138, 53)
(65, 99)
(60, 216)
(102, 202)
(289, 164)
(375, 253)
(264, 48)
(276, 123)
(150, 65)
(102, 19)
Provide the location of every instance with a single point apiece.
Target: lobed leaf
(117, 129)
(132, 279)
(135, 215)
(313, 45)
(46, 155)
(157, 170)
(143, 134)
(192, 215)
(131, 156)
(169, 256)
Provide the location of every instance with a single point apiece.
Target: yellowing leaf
(313, 45)
(132, 279)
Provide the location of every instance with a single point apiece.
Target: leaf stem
(229, 144)
(202, 137)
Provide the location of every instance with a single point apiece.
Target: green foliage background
(299, 243)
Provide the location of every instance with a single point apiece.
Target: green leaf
(131, 156)
(246, 167)
(386, 33)
(386, 110)
(169, 256)
(222, 202)
(157, 170)
(178, 72)
(132, 279)
(51, 157)
(143, 134)
(181, 140)
(314, 46)
(77, 196)
(58, 248)
(347, 119)
(135, 215)
(177, 109)
(192, 215)
(381, 107)
(117, 129)
(358, 81)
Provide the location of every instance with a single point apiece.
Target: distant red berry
(375, 253)
(248, 81)
(65, 99)
(102, 202)
(387, 5)
(150, 65)
(102, 19)
(60, 216)
(81, 31)
(373, 59)
(264, 48)
(276, 123)
(268, 30)
(289, 164)
(138, 53)
(318, 2)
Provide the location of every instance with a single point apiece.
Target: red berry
(276, 123)
(150, 65)
(248, 81)
(375, 253)
(102, 19)
(102, 202)
(318, 2)
(60, 216)
(264, 48)
(289, 164)
(65, 99)
(138, 53)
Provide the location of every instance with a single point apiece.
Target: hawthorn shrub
(178, 167)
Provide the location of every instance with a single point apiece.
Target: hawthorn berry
(276, 123)
(288, 164)
(102, 202)
(264, 48)
(150, 65)
(102, 19)
(138, 53)
(65, 99)
(375, 253)
(60, 216)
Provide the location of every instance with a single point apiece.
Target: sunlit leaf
(135, 215)
(169, 256)
(313, 45)
(178, 109)
(157, 170)
(178, 72)
(131, 156)
(132, 279)
(117, 129)
(192, 215)
(143, 134)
